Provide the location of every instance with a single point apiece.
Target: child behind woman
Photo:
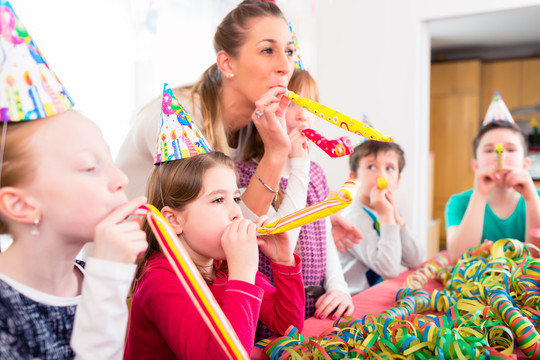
(326, 290)
(198, 196)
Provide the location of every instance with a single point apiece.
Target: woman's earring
(35, 230)
(230, 76)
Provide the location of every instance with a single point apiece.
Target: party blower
(317, 211)
(338, 119)
(195, 285)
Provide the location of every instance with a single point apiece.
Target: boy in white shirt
(387, 242)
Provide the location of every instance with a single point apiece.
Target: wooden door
(454, 121)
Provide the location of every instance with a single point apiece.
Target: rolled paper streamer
(334, 148)
(499, 151)
(382, 183)
(314, 212)
(195, 285)
(338, 119)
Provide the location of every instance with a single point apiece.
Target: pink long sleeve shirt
(165, 324)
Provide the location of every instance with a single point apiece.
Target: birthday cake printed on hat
(178, 136)
(29, 89)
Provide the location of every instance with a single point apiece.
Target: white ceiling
(508, 28)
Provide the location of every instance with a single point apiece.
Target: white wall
(368, 57)
(90, 46)
(373, 58)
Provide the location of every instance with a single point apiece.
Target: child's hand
(299, 144)
(239, 243)
(399, 220)
(485, 180)
(521, 181)
(345, 234)
(275, 246)
(379, 202)
(118, 239)
(334, 301)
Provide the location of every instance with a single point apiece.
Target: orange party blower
(314, 212)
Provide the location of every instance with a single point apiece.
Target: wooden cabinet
(504, 77)
(530, 83)
(454, 122)
(518, 82)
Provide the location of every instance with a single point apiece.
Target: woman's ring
(258, 114)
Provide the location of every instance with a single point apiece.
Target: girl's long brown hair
(176, 184)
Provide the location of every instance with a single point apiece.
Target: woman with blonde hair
(245, 87)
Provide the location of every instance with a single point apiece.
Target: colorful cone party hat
(29, 89)
(497, 110)
(368, 123)
(178, 136)
(297, 59)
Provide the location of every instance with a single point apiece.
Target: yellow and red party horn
(334, 148)
(338, 119)
(195, 286)
(314, 212)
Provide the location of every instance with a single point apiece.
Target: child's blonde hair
(17, 162)
(176, 184)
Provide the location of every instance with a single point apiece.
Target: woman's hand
(239, 243)
(275, 246)
(117, 238)
(269, 118)
(334, 301)
(299, 144)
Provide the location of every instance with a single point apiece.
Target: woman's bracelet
(268, 187)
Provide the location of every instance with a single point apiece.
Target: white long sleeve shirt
(136, 155)
(383, 254)
(295, 199)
